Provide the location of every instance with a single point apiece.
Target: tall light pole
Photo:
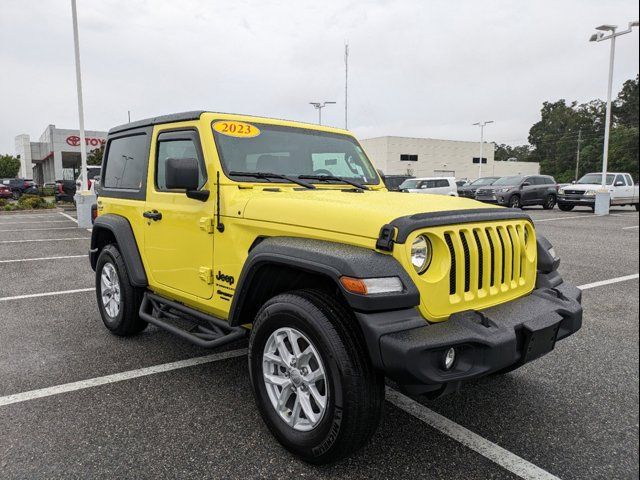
(83, 144)
(319, 106)
(481, 125)
(602, 197)
(346, 83)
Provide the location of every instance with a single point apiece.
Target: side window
(442, 183)
(629, 180)
(181, 144)
(126, 162)
(619, 179)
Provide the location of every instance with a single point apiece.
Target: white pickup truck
(621, 186)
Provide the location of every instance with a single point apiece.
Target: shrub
(3, 202)
(32, 202)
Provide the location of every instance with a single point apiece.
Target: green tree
(625, 108)
(520, 153)
(9, 166)
(94, 157)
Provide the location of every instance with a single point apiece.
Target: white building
(56, 154)
(428, 157)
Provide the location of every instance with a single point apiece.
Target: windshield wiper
(269, 176)
(333, 177)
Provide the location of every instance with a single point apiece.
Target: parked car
(393, 182)
(5, 192)
(621, 187)
(66, 189)
(461, 182)
(20, 186)
(469, 190)
(93, 174)
(431, 185)
(344, 283)
(520, 191)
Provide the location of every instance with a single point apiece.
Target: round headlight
(421, 253)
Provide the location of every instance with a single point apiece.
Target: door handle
(153, 215)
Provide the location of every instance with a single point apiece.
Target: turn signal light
(372, 286)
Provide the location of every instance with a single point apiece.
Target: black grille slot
(467, 262)
(513, 254)
(492, 260)
(503, 254)
(480, 259)
(452, 275)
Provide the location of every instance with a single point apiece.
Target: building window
(477, 160)
(405, 157)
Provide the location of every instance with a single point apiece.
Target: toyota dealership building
(55, 155)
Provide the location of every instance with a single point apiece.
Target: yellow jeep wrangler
(213, 225)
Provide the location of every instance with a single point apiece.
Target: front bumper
(577, 200)
(410, 351)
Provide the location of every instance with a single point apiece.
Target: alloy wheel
(110, 290)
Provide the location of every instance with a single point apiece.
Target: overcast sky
(417, 67)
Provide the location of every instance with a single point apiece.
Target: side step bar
(159, 311)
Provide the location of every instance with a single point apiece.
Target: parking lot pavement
(573, 413)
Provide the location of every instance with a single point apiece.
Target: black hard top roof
(174, 117)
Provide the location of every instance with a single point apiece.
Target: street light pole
(83, 144)
(481, 125)
(319, 106)
(603, 199)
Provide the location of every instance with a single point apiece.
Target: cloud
(418, 68)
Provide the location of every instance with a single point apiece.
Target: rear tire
(549, 202)
(565, 207)
(118, 300)
(353, 390)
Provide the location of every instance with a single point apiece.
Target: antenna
(346, 84)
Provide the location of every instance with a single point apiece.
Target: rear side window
(629, 180)
(126, 163)
(442, 183)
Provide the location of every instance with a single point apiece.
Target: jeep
(216, 227)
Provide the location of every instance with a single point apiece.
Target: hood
(584, 186)
(360, 214)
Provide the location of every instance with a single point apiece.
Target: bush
(10, 207)
(27, 202)
(3, 202)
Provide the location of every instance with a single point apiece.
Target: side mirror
(182, 174)
(573, 182)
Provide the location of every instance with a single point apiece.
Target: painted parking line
(34, 223)
(118, 377)
(498, 455)
(45, 240)
(74, 220)
(602, 283)
(38, 229)
(562, 218)
(630, 228)
(46, 294)
(42, 258)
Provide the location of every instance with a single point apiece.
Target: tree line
(566, 129)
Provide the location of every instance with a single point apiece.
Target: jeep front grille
(486, 260)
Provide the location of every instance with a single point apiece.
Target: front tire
(515, 202)
(312, 379)
(118, 300)
(565, 207)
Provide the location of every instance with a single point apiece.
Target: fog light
(449, 358)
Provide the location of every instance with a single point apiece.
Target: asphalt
(573, 413)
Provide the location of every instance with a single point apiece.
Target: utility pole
(578, 154)
(83, 144)
(481, 125)
(129, 115)
(346, 84)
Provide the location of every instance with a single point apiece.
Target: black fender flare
(330, 260)
(121, 230)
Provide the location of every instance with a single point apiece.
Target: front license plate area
(539, 342)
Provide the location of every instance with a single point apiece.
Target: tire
(637, 205)
(549, 202)
(515, 202)
(353, 390)
(565, 207)
(124, 320)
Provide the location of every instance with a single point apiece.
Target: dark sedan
(469, 190)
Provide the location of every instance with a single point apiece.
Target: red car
(5, 192)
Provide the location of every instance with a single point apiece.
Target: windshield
(292, 152)
(515, 180)
(595, 179)
(408, 184)
(484, 181)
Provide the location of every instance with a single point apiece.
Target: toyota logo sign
(74, 141)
